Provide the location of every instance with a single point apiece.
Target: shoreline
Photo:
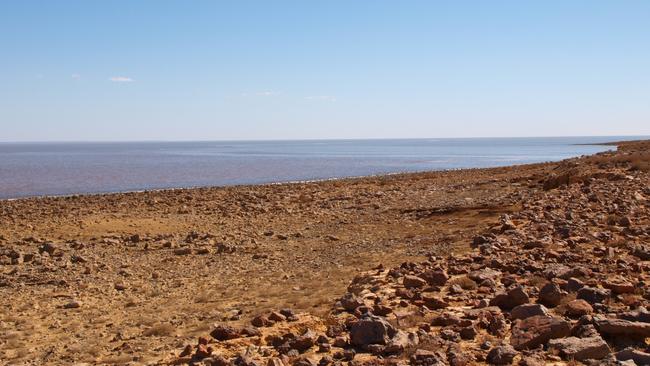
(109, 279)
(292, 182)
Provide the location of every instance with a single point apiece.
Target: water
(34, 169)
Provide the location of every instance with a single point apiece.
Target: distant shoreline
(293, 182)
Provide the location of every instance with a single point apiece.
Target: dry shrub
(159, 330)
(641, 166)
(117, 360)
(464, 282)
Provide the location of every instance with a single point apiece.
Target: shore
(519, 264)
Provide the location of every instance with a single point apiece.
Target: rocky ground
(529, 265)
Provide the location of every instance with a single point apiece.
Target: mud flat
(531, 265)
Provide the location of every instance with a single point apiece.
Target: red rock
(580, 349)
(537, 330)
(435, 278)
(261, 321)
(578, 308)
(516, 296)
(550, 295)
(225, 332)
(414, 282)
(620, 327)
(619, 286)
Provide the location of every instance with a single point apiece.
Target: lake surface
(34, 169)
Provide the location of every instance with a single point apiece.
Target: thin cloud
(76, 76)
(263, 93)
(121, 79)
(266, 93)
(327, 98)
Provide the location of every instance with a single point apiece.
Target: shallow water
(33, 169)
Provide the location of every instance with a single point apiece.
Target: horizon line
(307, 139)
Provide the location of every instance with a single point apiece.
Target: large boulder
(371, 330)
(537, 330)
(580, 349)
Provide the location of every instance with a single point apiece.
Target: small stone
(72, 305)
(183, 251)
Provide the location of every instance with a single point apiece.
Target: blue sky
(216, 70)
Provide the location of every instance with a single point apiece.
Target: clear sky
(216, 70)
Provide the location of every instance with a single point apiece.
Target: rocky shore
(529, 265)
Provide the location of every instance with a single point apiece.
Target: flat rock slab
(580, 349)
(537, 330)
(624, 328)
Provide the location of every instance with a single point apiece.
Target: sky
(246, 70)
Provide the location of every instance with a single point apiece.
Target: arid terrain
(535, 264)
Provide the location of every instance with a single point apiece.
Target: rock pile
(563, 280)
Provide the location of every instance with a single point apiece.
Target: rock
(423, 357)
(574, 284)
(527, 310)
(510, 299)
(639, 315)
(593, 295)
(274, 361)
(72, 305)
(502, 355)
(619, 286)
(484, 274)
(183, 251)
(642, 252)
(468, 332)
(550, 295)
(351, 301)
(51, 249)
(414, 282)
(306, 341)
(639, 358)
(580, 349)
(277, 317)
(400, 342)
(620, 327)
(371, 330)
(435, 278)
(261, 321)
(224, 333)
(537, 330)
(434, 303)
(578, 308)
(250, 332)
